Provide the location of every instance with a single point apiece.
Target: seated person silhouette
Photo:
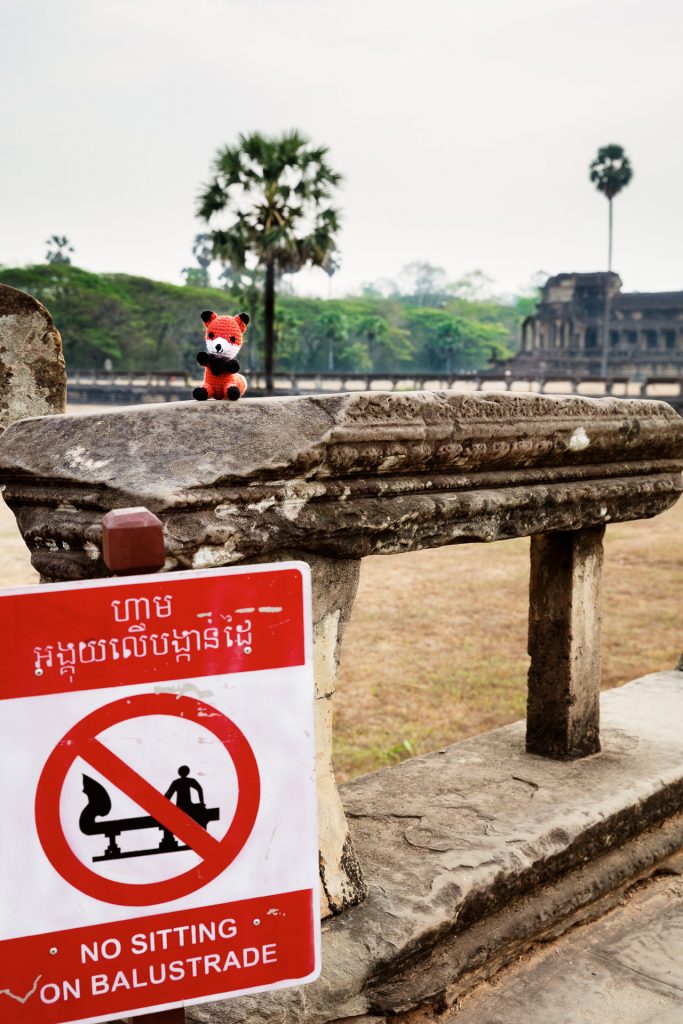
(181, 788)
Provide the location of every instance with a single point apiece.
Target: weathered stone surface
(32, 371)
(341, 476)
(565, 617)
(334, 585)
(624, 969)
(475, 852)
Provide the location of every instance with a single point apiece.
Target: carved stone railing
(332, 479)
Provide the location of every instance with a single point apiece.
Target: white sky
(463, 129)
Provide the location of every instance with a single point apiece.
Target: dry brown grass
(436, 647)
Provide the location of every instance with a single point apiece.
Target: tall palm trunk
(608, 300)
(269, 325)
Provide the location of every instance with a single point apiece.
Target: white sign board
(159, 841)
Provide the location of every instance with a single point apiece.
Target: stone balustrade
(331, 479)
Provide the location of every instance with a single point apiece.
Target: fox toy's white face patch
(221, 347)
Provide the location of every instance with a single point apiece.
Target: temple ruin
(565, 334)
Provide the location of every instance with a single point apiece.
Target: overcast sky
(463, 128)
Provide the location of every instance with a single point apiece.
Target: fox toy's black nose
(218, 347)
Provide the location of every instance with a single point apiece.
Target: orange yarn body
(217, 386)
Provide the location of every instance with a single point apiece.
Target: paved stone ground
(626, 968)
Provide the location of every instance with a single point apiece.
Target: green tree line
(140, 324)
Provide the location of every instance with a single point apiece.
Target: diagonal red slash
(150, 799)
(215, 855)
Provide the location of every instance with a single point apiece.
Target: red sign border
(298, 961)
(48, 794)
(19, 681)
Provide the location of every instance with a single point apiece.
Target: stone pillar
(335, 582)
(32, 371)
(565, 616)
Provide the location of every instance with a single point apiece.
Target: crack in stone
(527, 782)
(634, 970)
(383, 817)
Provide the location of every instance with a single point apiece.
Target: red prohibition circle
(75, 743)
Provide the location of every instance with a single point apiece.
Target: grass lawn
(436, 647)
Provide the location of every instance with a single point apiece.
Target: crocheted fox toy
(223, 342)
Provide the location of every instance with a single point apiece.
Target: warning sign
(159, 843)
(183, 822)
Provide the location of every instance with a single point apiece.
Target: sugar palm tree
(59, 248)
(610, 172)
(273, 196)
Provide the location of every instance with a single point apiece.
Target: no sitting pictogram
(157, 742)
(179, 821)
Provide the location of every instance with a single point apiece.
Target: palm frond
(611, 170)
(276, 192)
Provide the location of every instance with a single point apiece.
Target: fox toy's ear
(243, 319)
(207, 316)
